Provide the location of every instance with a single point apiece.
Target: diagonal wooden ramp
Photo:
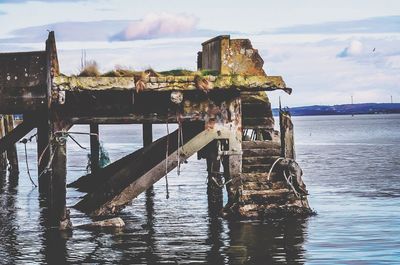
(138, 171)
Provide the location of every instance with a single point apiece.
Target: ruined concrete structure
(225, 117)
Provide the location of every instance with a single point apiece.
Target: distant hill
(345, 109)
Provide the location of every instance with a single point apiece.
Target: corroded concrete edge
(168, 83)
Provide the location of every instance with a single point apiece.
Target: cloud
(165, 26)
(369, 25)
(49, 1)
(355, 48)
(154, 26)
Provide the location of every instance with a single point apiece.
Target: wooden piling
(58, 213)
(94, 148)
(12, 155)
(214, 181)
(3, 155)
(147, 129)
(147, 134)
(43, 154)
(287, 135)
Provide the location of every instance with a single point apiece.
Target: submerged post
(287, 134)
(43, 153)
(147, 130)
(214, 189)
(94, 148)
(58, 213)
(12, 155)
(147, 134)
(3, 155)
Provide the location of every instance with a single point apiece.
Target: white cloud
(355, 48)
(158, 25)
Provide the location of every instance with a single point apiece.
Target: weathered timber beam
(15, 135)
(148, 107)
(91, 182)
(171, 83)
(116, 176)
(22, 82)
(157, 172)
(126, 119)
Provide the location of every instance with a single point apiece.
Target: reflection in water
(54, 241)
(215, 231)
(362, 213)
(276, 242)
(8, 228)
(149, 238)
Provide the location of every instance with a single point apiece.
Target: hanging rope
(289, 181)
(25, 141)
(178, 170)
(222, 184)
(272, 167)
(166, 163)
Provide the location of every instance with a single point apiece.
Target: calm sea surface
(351, 167)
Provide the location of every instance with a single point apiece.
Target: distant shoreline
(344, 109)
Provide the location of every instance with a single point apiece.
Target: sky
(327, 51)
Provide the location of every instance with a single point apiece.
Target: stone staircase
(258, 196)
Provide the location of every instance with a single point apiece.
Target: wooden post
(147, 134)
(58, 213)
(12, 155)
(3, 155)
(147, 140)
(94, 148)
(214, 190)
(287, 135)
(43, 154)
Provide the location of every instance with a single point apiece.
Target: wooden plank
(22, 82)
(130, 168)
(15, 135)
(146, 178)
(92, 182)
(152, 176)
(261, 145)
